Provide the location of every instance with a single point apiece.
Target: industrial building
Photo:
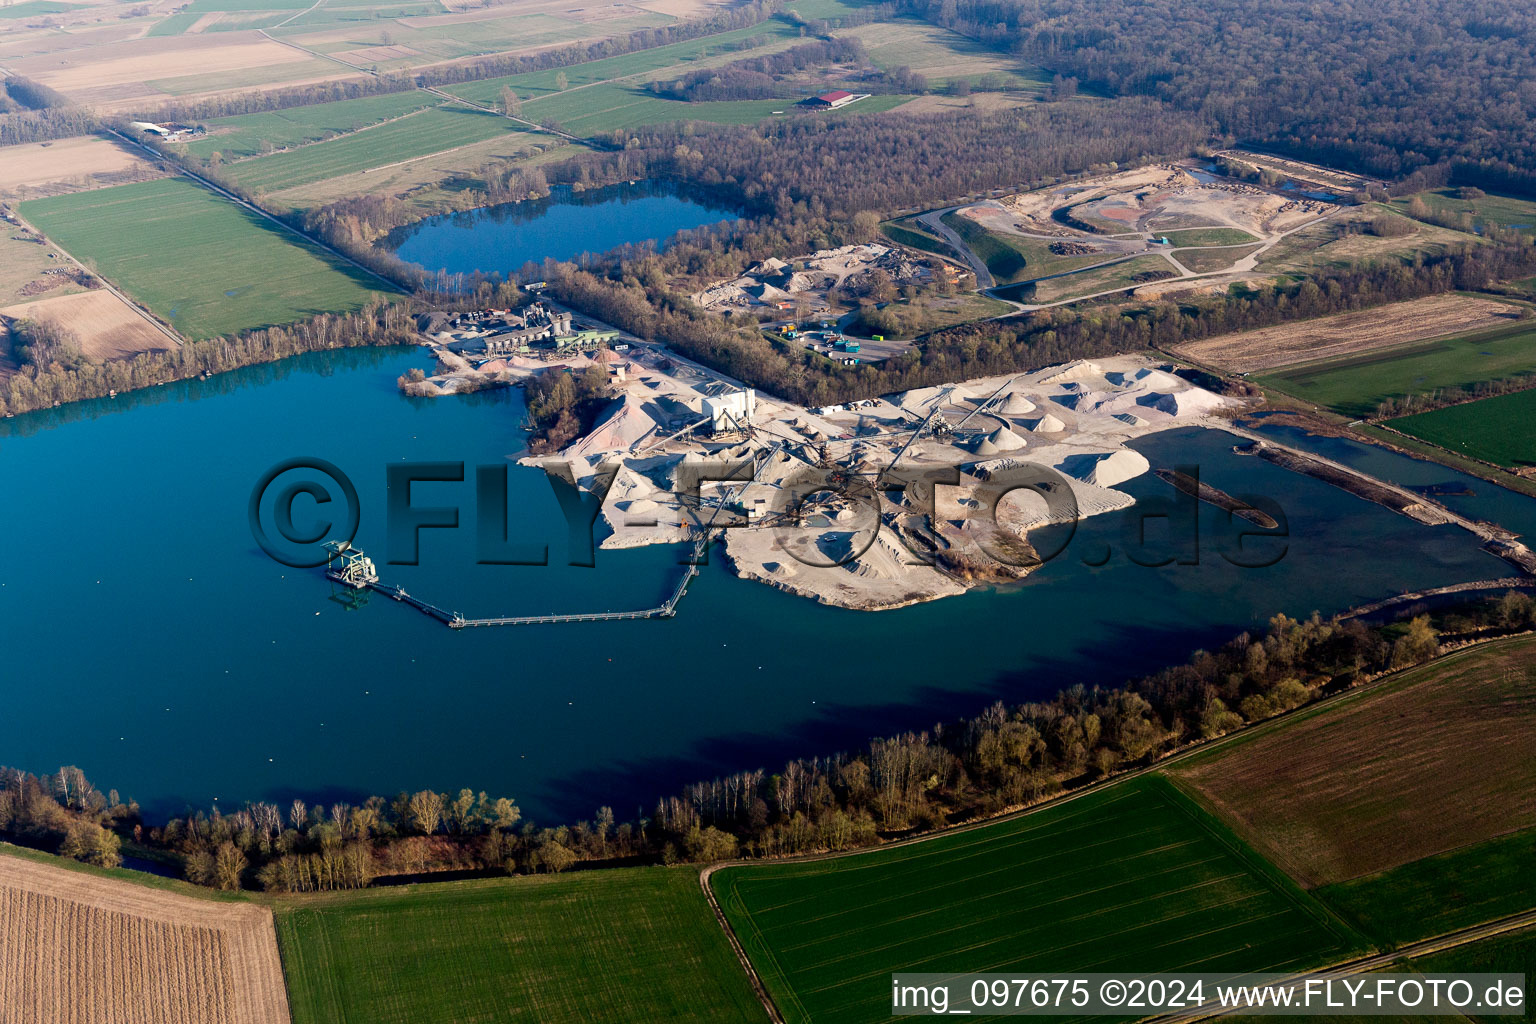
(732, 411)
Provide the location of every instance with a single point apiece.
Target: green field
(1440, 894)
(430, 131)
(629, 65)
(1133, 877)
(34, 7)
(175, 25)
(1497, 430)
(1505, 211)
(204, 264)
(209, 6)
(1208, 236)
(1514, 953)
(604, 108)
(1355, 386)
(614, 945)
(246, 134)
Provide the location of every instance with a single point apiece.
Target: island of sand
(880, 503)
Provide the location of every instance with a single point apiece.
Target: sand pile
(1193, 402)
(1073, 371)
(1047, 424)
(1004, 440)
(1016, 405)
(622, 426)
(1106, 470)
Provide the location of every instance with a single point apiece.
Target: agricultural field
(106, 326)
(434, 130)
(620, 944)
(205, 265)
(943, 56)
(610, 107)
(78, 945)
(1134, 876)
(1503, 211)
(674, 57)
(1437, 760)
(1356, 385)
(1496, 430)
(1393, 326)
(251, 134)
(1439, 894)
(81, 162)
(425, 179)
(401, 35)
(1512, 953)
(125, 72)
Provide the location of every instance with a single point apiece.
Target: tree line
(1006, 756)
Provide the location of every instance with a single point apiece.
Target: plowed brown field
(1348, 334)
(79, 948)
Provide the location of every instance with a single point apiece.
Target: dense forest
(1006, 756)
(1382, 86)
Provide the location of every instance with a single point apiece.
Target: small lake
(500, 239)
(150, 641)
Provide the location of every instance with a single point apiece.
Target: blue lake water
(562, 226)
(149, 640)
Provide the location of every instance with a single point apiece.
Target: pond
(500, 239)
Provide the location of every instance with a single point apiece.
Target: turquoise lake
(566, 224)
(150, 641)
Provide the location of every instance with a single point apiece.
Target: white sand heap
(1016, 405)
(1105, 470)
(1047, 424)
(1193, 402)
(1002, 440)
(1073, 371)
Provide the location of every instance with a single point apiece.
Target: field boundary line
(707, 872)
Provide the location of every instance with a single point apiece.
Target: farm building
(829, 100)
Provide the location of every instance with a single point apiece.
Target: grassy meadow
(1356, 385)
(248, 134)
(1504, 211)
(1208, 236)
(430, 131)
(1495, 429)
(1428, 897)
(205, 265)
(623, 944)
(1132, 877)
